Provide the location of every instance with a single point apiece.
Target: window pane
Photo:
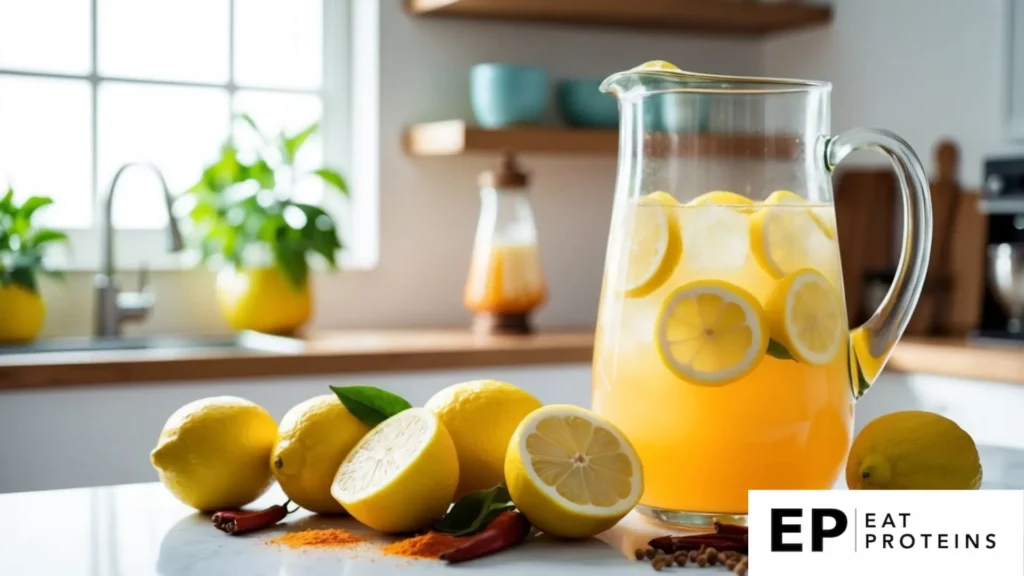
(164, 39)
(178, 129)
(275, 112)
(279, 43)
(45, 145)
(32, 38)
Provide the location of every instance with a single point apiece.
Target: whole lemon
(212, 453)
(913, 450)
(312, 441)
(263, 300)
(481, 417)
(22, 312)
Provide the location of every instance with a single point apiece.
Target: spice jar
(505, 281)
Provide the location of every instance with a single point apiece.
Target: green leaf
(252, 123)
(474, 511)
(290, 145)
(777, 350)
(32, 204)
(290, 256)
(7, 201)
(25, 277)
(45, 235)
(333, 179)
(369, 404)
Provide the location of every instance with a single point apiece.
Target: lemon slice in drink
(724, 198)
(806, 315)
(658, 65)
(401, 475)
(787, 239)
(793, 199)
(655, 246)
(571, 472)
(711, 332)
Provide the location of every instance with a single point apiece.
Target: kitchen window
(89, 85)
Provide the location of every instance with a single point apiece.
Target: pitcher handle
(872, 342)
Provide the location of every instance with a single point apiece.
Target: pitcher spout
(659, 76)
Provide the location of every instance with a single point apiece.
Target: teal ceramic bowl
(507, 94)
(582, 104)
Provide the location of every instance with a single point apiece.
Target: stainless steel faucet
(113, 306)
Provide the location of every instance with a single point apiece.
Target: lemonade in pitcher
(722, 348)
(726, 317)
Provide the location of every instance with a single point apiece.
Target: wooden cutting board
(865, 218)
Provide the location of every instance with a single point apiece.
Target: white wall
(925, 69)
(429, 206)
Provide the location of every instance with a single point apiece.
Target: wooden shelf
(746, 17)
(455, 137)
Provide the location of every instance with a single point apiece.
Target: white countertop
(140, 529)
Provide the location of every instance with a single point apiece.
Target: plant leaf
(474, 511)
(26, 277)
(369, 404)
(44, 235)
(333, 178)
(32, 204)
(777, 350)
(290, 145)
(7, 201)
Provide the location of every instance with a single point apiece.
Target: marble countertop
(140, 529)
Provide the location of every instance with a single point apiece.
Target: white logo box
(919, 532)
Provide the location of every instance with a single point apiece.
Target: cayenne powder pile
(429, 545)
(331, 538)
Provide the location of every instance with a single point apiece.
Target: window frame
(356, 217)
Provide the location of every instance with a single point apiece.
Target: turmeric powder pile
(330, 538)
(429, 545)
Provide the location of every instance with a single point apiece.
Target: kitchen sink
(244, 341)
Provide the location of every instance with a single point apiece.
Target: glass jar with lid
(505, 282)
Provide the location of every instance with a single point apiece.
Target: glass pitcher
(722, 348)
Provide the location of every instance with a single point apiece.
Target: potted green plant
(22, 244)
(242, 217)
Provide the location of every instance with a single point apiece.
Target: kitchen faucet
(113, 306)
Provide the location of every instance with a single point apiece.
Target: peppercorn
(730, 564)
(650, 553)
(702, 560)
(658, 563)
(741, 568)
(680, 558)
(639, 554)
(712, 555)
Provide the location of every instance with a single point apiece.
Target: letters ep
(780, 527)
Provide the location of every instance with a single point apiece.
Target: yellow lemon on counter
(913, 450)
(262, 299)
(571, 472)
(402, 475)
(481, 417)
(312, 441)
(21, 313)
(213, 453)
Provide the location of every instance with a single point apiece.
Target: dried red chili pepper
(240, 522)
(507, 530)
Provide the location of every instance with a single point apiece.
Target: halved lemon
(571, 472)
(401, 475)
(658, 65)
(655, 246)
(711, 332)
(724, 198)
(805, 314)
(793, 199)
(784, 241)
